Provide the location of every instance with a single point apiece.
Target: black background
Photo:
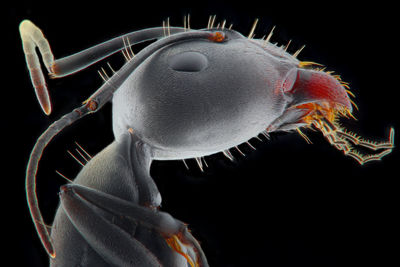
(287, 203)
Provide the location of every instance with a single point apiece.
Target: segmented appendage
(325, 119)
(343, 140)
(32, 38)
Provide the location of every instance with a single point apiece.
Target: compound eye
(188, 62)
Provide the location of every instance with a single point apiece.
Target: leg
(33, 37)
(341, 139)
(81, 203)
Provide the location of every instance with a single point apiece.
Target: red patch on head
(217, 37)
(318, 86)
(324, 86)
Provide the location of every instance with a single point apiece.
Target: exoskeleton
(189, 94)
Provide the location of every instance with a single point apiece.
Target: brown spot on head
(217, 37)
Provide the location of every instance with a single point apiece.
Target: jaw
(313, 97)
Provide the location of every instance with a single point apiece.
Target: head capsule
(202, 96)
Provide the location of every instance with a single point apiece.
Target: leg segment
(342, 140)
(80, 204)
(109, 241)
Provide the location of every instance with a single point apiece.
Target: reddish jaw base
(325, 98)
(324, 118)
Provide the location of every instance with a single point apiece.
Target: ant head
(200, 97)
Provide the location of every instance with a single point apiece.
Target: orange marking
(323, 110)
(91, 104)
(175, 244)
(217, 37)
(303, 64)
(55, 71)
